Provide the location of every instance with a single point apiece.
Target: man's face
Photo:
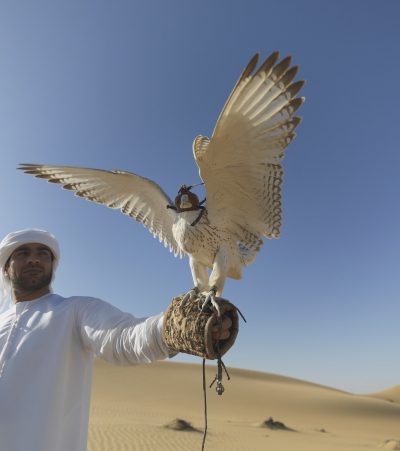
(30, 267)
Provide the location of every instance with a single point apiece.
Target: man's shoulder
(79, 299)
(89, 305)
(85, 301)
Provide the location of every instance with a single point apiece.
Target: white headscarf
(13, 241)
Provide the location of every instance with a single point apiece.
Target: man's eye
(45, 253)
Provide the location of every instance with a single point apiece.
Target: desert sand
(131, 407)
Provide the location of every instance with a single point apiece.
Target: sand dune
(391, 394)
(132, 405)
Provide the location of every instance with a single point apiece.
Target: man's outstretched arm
(119, 337)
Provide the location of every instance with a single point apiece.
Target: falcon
(240, 166)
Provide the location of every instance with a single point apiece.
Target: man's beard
(28, 283)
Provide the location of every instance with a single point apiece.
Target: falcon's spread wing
(138, 197)
(241, 164)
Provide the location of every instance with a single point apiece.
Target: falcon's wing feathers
(241, 164)
(138, 197)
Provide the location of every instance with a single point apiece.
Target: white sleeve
(119, 337)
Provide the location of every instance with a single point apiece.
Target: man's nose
(33, 258)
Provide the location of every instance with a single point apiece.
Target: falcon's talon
(210, 301)
(191, 295)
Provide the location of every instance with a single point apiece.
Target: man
(48, 344)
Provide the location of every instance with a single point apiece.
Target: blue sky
(129, 84)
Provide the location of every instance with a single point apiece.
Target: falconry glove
(188, 328)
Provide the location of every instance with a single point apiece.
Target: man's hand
(222, 331)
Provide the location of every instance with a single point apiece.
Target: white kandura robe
(47, 348)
